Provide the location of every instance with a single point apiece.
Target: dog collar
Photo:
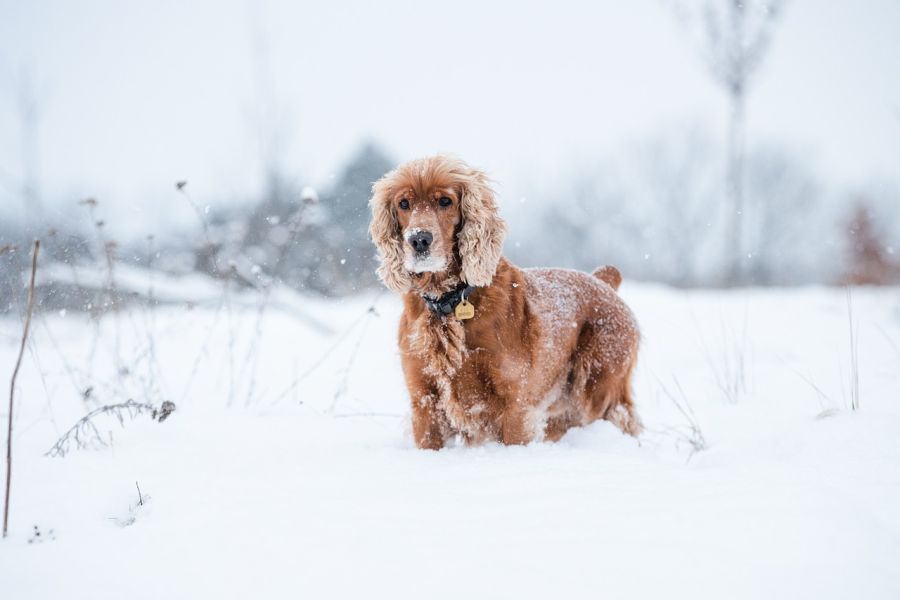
(446, 304)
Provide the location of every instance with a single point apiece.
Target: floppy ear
(481, 237)
(385, 232)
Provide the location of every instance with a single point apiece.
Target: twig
(887, 338)
(728, 364)
(854, 355)
(370, 311)
(154, 373)
(345, 372)
(85, 425)
(824, 400)
(694, 436)
(295, 225)
(107, 298)
(140, 497)
(201, 216)
(180, 186)
(12, 384)
(203, 350)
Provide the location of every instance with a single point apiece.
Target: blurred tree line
(658, 210)
(311, 241)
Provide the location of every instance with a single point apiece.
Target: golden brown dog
(545, 350)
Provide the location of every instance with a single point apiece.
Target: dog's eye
(445, 202)
(404, 204)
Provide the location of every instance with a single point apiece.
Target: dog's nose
(420, 241)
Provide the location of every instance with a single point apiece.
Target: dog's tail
(610, 275)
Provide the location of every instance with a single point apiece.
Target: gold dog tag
(464, 311)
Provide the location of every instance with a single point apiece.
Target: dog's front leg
(427, 423)
(517, 426)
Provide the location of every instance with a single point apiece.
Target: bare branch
(84, 432)
(12, 384)
(854, 354)
(692, 434)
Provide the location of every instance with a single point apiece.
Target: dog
(492, 352)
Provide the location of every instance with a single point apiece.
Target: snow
(309, 485)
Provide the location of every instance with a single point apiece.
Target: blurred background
(711, 143)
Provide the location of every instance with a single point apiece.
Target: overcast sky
(136, 95)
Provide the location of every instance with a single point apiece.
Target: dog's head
(435, 215)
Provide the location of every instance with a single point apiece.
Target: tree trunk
(735, 182)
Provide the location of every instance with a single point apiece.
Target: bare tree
(672, 175)
(649, 210)
(270, 118)
(785, 218)
(736, 35)
(30, 109)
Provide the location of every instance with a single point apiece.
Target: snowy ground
(308, 485)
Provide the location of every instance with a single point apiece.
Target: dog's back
(590, 341)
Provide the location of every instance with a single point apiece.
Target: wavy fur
(385, 232)
(481, 235)
(547, 349)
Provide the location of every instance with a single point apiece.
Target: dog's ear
(385, 232)
(481, 237)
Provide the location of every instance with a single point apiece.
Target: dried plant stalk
(12, 384)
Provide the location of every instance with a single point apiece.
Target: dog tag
(464, 311)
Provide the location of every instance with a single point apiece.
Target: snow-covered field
(288, 471)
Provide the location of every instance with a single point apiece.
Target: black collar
(446, 304)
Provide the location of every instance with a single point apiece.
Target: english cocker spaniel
(491, 351)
